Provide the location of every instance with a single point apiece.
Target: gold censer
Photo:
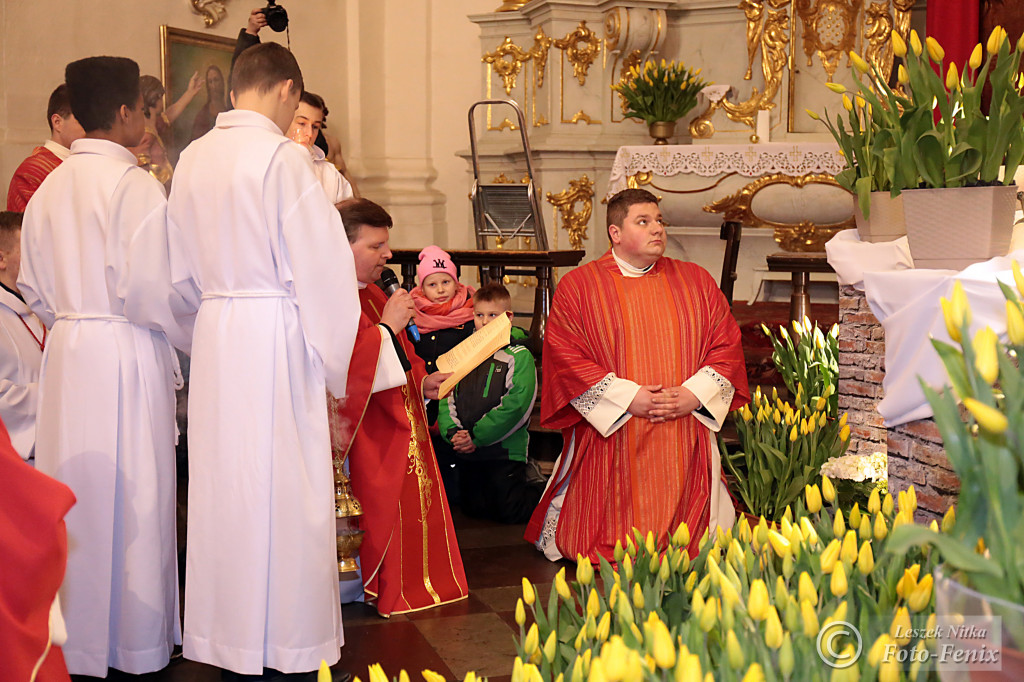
(347, 510)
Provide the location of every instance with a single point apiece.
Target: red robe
(28, 176)
(660, 328)
(34, 551)
(410, 558)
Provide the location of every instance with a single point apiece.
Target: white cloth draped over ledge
(906, 303)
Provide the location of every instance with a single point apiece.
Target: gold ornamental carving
(539, 54)
(511, 5)
(829, 30)
(581, 48)
(575, 222)
(803, 236)
(768, 29)
(507, 61)
(212, 11)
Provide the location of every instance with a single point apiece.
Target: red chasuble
(661, 328)
(34, 547)
(28, 176)
(410, 558)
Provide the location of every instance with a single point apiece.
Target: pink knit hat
(434, 259)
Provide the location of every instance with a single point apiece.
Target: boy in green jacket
(485, 420)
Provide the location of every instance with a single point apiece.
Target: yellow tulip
(664, 570)
(844, 433)
(529, 595)
(808, 531)
(975, 60)
(900, 628)
(734, 651)
(773, 629)
(690, 581)
(377, 673)
(847, 103)
(921, 595)
(809, 617)
(935, 50)
(584, 570)
(948, 317)
(520, 613)
(550, 645)
(681, 538)
(874, 501)
(757, 601)
(864, 532)
(986, 355)
(996, 39)
(952, 77)
(890, 669)
(908, 582)
(787, 660)
(859, 63)
(989, 418)
(838, 89)
(829, 556)
(603, 626)
(1018, 277)
(838, 584)
(561, 586)
(865, 559)
(627, 567)
(793, 435)
(596, 671)
(961, 307)
(805, 589)
(662, 647)
(688, 669)
(431, 676)
(619, 552)
(949, 519)
(901, 75)
(855, 515)
(915, 43)
(899, 45)
(848, 550)
(1014, 323)
(779, 543)
(838, 524)
(813, 115)
(638, 596)
(324, 673)
(649, 543)
(788, 565)
(709, 615)
(887, 505)
(754, 673)
(879, 649)
(532, 640)
(828, 491)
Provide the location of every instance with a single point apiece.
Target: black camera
(277, 16)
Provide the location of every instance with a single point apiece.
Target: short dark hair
(493, 292)
(264, 66)
(10, 224)
(152, 91)
(58, 104)
(358, 212)
(618, 205)
(317, 102)
(98, 87)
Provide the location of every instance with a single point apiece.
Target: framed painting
(182, 54)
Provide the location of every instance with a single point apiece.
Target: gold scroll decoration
(507, 61)
(804, 236)
(878, 28)
(768, 27)
(575, 222)
(212, 11)
(581, 48)
(829, 29)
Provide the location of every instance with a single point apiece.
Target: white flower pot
(885, 224)
(951, 228)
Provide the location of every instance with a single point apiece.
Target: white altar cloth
(850, 257)
(748, 160)
(906, 303)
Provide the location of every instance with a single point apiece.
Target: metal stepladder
(509, 210)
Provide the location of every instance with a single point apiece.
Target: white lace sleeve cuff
(389, 368)
(715, 394)
(606, 404)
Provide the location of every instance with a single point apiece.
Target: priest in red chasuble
(642, 362)
(409, 557)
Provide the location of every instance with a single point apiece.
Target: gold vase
(662, 130)
(347, 510)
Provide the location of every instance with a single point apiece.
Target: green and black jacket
(494, 403)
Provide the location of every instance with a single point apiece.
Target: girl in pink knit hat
(444, 307)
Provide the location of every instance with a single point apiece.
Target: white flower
(858, 468)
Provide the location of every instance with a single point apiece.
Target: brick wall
(861, 369)
(916, 455)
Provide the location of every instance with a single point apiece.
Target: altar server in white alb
(106, 387)
(22, 337)
(275, 329)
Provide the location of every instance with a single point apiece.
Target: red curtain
(954, 23)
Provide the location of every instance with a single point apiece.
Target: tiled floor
(473, 634)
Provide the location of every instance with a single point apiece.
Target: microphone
(389, 283)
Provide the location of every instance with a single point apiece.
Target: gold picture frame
(183, 53)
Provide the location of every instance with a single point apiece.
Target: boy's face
(438, 287)
(485, 311)
(306, 124)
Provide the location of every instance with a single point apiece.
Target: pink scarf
(455, 311)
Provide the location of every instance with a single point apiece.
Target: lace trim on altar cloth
(708, 161)
(587, 401)
(724, 385)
